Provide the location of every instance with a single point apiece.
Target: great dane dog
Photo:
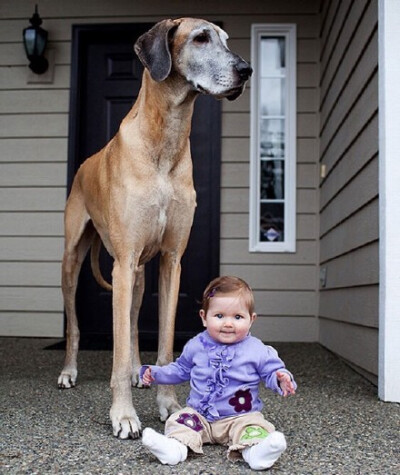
(137, 196)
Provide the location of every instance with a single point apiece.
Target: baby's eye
(238, 317)
(219, 315)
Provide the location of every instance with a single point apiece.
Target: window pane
(271, 222)
(272, 180)
(273, 96)
(272, 138)
(272, 56)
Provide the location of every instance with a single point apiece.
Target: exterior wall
(349, 228)
(33, 154)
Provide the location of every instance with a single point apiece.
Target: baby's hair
(228, 284)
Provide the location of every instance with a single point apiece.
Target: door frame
(389, 211)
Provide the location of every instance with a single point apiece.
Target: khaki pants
(236, 432)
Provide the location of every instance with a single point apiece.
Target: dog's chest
(159, 210)
(159, 207)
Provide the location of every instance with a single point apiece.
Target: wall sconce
(35, 40)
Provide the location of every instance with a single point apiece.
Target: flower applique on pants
(236, 432)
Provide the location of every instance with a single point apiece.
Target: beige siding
(348, 311)
(33, 155)
(33, 164)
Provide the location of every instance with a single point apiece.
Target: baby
(224, 365)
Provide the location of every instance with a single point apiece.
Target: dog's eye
(201, 38)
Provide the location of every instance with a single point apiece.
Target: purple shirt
(224, 379)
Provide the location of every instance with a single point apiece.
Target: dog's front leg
(123, 415)
(170, 271)
(138, 291)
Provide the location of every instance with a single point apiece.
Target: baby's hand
(147, 378)
(286, 383)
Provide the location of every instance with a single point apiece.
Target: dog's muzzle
(242, 72)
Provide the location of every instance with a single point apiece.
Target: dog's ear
(153, 51)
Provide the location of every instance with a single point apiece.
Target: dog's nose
(244, 69)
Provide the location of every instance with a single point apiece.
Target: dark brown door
(106, 78)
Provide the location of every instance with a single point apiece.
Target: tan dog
(137, 195)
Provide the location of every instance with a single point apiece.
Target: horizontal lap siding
(348, 311)
(33, 168)
(33, 155)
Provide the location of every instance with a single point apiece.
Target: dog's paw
(137, 382)
(67, 379)
(126, 424)
(167, 404)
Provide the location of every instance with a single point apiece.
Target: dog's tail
(94, 260)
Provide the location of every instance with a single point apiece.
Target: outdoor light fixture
(35, 40)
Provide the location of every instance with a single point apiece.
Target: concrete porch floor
(334, 425)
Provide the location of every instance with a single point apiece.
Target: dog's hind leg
(79, 233)
(137, 298)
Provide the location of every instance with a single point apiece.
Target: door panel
(106, 79)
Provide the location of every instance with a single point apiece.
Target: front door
(106, 78)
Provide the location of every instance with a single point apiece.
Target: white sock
(264, 454)
(168, 451)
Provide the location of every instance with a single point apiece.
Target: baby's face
(228, 319)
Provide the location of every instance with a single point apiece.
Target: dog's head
(197, 50)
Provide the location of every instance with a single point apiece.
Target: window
(273, 139)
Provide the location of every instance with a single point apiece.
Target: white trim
(289, 245)
(389, 200)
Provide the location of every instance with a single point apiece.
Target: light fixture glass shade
(35, 40)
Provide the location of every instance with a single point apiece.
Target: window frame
(259, 31)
